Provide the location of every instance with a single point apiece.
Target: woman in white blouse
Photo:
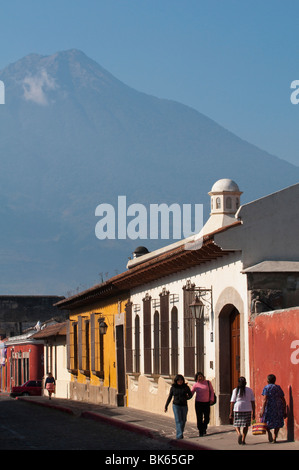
(242, 409)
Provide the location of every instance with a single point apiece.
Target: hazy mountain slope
(72, 137)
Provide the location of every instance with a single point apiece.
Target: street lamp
(197, 308)
(202, 302)
(103, 327)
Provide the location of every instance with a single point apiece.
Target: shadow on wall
(290, 425)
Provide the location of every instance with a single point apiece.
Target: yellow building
(95, 344)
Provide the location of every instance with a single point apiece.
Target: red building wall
(274, 349)
(23, 362)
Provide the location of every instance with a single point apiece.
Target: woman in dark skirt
(242, 409)
(274, 409)
(50, 384)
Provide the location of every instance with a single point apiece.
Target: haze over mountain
(73, 137)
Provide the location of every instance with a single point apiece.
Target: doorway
(120, 358)
(234, 320)
(229, 357)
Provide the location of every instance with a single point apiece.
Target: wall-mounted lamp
(103, 327)
(197, 308)
(201, 304)
(109, 318)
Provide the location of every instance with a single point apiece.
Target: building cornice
(164, 264)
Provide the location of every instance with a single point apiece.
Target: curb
(48, 405)
(141, 430)
(120, 424)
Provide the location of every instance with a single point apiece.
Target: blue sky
(232, 60)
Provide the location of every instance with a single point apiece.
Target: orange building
(95, 344)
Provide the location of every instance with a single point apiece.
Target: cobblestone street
(27, 427)
(38, 423)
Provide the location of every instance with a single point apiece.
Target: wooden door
(120, 357)
(235, 347)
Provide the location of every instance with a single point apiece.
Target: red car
(32, 387)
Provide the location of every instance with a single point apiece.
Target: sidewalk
(161, 426)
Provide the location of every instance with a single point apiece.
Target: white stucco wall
(222, 275)
(269, 230)
(56, 361)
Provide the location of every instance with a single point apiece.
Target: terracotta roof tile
(51, 330)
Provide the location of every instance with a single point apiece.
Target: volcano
(72, 137)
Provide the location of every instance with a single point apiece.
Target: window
(193, 336)
(147, 334)
(137, 345)
(199, 359)
(96, 346)
(129, 338)
(83, 345)
(86, 347)
(189, 334)
(228, 202)
(164, 352)
(26, 368)
(71, 350)
(174, 341)
(19, 367)
(101, 353)
(74, 357)
(218, 203)
(156, 344)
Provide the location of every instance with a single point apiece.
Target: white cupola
(225, 197)
(225, 201)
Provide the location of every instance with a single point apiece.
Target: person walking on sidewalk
(204, 398)
(242, 409)
(274, 408)
(180, 392)
(50, 384)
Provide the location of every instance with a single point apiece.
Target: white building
(55, 357)
(223, 266)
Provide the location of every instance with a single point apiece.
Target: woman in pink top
(204, 398)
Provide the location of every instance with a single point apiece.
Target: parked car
(32, 387)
